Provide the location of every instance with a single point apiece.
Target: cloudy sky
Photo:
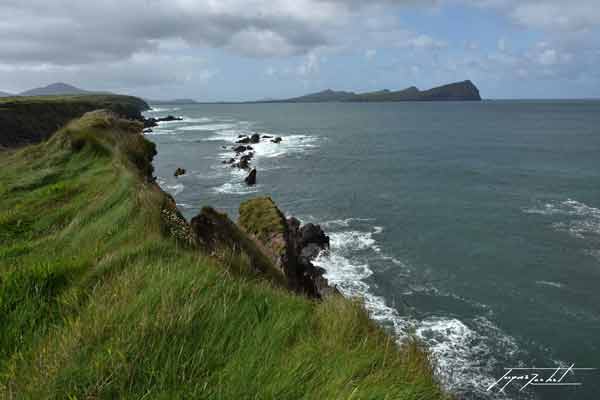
(250, 49)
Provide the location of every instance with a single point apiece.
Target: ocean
(473, 225)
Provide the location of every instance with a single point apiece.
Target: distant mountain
(174, 101)
(464, 91)
(54, 89)
(5, 94)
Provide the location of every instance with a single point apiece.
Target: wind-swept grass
(97, 301)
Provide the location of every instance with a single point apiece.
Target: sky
(229, 50)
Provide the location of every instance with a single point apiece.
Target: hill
(54, 89)
(5, 94)
(107, 292)
(459, 91)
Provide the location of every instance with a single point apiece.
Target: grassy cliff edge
(103, 294)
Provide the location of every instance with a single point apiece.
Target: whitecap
(549, 283)
(205, 127)
(456, 347)
(159, 109)
(239, 188)
(584, 220)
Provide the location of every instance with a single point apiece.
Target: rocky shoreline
(275, 240)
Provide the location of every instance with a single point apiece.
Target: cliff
(27, 120)
(106, 291)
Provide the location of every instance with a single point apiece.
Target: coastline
(115, 151)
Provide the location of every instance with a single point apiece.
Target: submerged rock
(230, 161)
(278, 139)
(240, 149)
(179, 172)
(251, 178)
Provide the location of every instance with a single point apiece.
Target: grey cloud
(70, 32)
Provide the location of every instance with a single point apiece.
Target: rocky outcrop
(152, 122)
(290, 246)
(179, 172)
(251, 178)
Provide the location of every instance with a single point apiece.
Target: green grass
(261, 217)
(98, 302)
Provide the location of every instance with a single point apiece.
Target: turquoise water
(474, 225)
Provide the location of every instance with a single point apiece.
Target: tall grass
(97, 302)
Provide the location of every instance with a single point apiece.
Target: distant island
(458, 91)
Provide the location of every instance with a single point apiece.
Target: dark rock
(255, 138)
(251, 178)
(313, 234)
(282, 242)
(249, 147)
(309, 253)
(278, 139)
(179, 172)
(230, 161)
(240, 149)
(169, 118)
(149, 130)
(245, 140)
(267, 136)
(150, 122)
(242, 136)
(242, 164)
(247, 157)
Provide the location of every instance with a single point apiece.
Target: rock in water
(255, 138)
(278, 139)
(244, 140)
(251, 178)
(313, 234)
(281, 240)
(179, 172)
(240, 149)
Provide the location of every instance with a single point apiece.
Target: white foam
(238, 188)
(549, 283)
(458, 350)
(583, 221)
(157, 131)
(159, 109)
(206, 127)
(172, 188)
(289, 144)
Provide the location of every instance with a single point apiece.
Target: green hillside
(103, 294)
